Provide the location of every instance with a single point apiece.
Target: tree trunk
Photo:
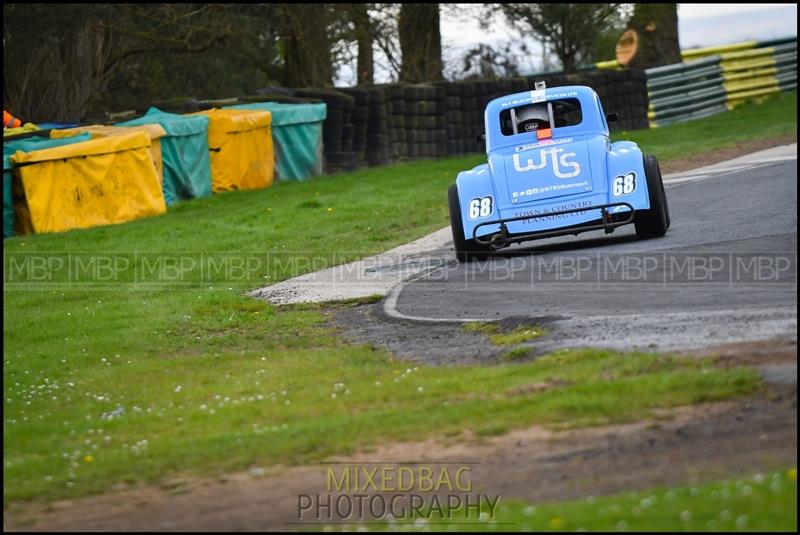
(657, 29)
(307, 47)
(420, 43)
(365, 64)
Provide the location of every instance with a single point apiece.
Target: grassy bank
(761, 502)
(131, 351)
(776, 117)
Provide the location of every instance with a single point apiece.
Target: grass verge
(763, 502)
(277, 387)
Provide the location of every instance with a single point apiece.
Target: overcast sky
(698, 25)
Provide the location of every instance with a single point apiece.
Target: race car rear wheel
(653, 223)
(466, 250)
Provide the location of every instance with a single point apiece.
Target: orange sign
(627, 46)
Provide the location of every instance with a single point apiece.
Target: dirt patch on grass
(537, 388)
(758, 353)
(689, 445)
(720, 155)
(435, 344)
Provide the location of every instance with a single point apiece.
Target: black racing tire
(653, 223)
(466, 250)
(664, 193)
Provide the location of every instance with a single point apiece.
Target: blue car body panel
(575, 168)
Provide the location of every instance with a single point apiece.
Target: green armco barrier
(720, 79)
(713, 110)
(297, 136)
(690, 96)
(684, 88)
(25, 145)
(777, 42)
(184, 152)
(688, 108)
(681, 78)
(784, 77)
(675, 68)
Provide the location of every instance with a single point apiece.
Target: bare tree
(484, 61)
(383, 18)
(57, 58)
(420, 42)
(307, 44)
(362, 29)
(570, 31)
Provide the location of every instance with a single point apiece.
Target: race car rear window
(532, 117)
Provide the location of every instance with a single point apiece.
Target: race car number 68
(480, 207)
(623, 184)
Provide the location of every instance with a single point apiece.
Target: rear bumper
(608, 222)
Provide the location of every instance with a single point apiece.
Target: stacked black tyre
(360, 120)
(631, 97)
(621, 92)
(396, 120)
(440, 125)
(466, 116)
(378, 150)
(337, 130)
(424, 128)
(476, 98)
(454, 128)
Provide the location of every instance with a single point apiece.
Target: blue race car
(553, 171)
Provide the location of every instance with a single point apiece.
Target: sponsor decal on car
(543, 143)
(559, 163)
(547, 189)
(560, 208)
(538, 96)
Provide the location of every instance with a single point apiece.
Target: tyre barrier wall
(718, 79)
(380, 124)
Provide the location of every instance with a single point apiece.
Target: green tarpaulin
(184, 152)
(297, 136)
(25, 145)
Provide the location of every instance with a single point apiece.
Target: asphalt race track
(726, 271)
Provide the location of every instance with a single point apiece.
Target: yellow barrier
(97, 182)
(749, 83)
(610, 64)
(732, 76)
(154, 131)
(740, 98)
(747, 54)
(696, 53)
(746, 65)
(242, 155)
